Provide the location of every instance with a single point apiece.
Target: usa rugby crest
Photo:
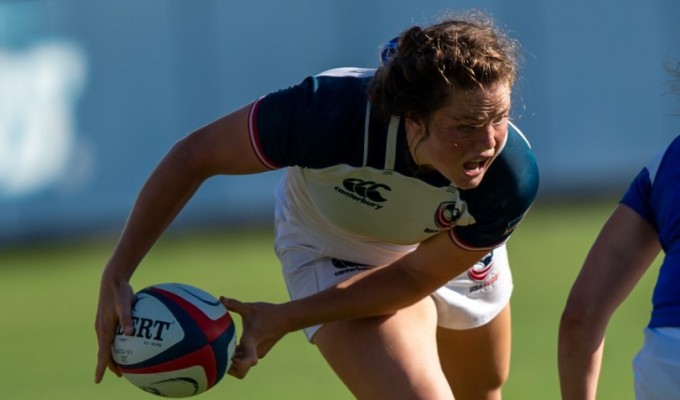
(447, 214)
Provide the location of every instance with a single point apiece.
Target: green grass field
(48, 296)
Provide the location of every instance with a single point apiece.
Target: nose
(487, 136)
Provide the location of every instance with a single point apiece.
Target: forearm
(624, 249)
(579, 359)
(385, 290)
(380, 292)
(221, 147)
(161, 198)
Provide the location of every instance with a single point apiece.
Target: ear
(414, 128)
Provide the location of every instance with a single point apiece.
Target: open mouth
(474, 167)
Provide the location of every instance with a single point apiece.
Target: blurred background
(93, 93)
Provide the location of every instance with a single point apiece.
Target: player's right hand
(115, 304)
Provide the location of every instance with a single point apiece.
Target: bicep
(223, 146)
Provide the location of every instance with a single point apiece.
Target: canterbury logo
(346, 267)
(365, 192)
(366, 189)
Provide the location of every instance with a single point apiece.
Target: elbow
(581, 321)
(573, 319)
(186, 155)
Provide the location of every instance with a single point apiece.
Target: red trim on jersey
(456, 239)
(255, 138)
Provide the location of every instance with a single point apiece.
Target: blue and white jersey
(352, 181)
(655, 195)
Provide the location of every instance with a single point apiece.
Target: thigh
(390, 357)
(476, 361)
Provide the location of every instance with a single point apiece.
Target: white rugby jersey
(352, 181)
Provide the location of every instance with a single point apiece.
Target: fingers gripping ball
(183, 341)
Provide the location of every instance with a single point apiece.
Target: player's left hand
(262, 328)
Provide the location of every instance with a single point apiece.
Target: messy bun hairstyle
(424, 65)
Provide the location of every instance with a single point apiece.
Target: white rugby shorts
(656, 366)
(311, 265)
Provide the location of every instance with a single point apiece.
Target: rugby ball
(183, 341)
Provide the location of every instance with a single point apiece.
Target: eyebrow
(481, 119)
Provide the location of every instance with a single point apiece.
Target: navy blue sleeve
(316, 123)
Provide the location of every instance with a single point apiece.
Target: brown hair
(462, 52)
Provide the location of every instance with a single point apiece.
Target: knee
(497, 381)
(484, 391)
(487, 387)
(482, 385)
(499, 377)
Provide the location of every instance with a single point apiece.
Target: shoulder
(330, 84)
(664, 163)
(517, 150)
(516, 169)
(315, 123)
(317, 98)
(347, 73)
(668, 159)
(653, 189)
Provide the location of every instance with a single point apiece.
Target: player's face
(464, 136)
